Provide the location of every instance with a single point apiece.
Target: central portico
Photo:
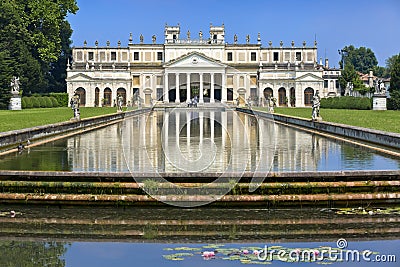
(194, 74)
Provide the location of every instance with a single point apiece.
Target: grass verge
(385, 120)
(26, 118)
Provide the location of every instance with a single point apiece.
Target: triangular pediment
(79, 77)
(195, 60)
(309, 77)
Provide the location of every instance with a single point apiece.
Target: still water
(197, 141)
(192, 141)
(133, 236)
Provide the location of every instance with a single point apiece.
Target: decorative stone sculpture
(141, 38)
(201, 35)
(15, 100)
(15, 83)
(75, 106)
(316, 103)
(235, 39)
(120, 102)
(247, 39)
(188, 35)
(154, 39)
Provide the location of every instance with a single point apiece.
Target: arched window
(82, 96)
(268, 93)
(121, 91)
(282, 97)
(107, 100)
(308, 96)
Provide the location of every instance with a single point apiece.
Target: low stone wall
(364, 134)
(13, 138)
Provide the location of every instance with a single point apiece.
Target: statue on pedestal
(120, 102)
(15, 100)
(380, 87)
(75, 106)
(15, 83)
(316, 103)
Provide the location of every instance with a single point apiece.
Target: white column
(223, 88)
(166, 93)
(212, 100)
(201, 118)
(201, 101)
(177, 98)
(188, 131)
(187, 87)
(212, 123)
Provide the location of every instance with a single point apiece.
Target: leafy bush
(42, 101)
(23, 102)
(48, 103)
(62, 98)
(393, 102)
(35, 102)
(54, 101)
(347, 102)
(28, 102)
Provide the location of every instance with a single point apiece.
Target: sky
(334, 23)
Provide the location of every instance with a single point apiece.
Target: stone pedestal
(15, 103)
(379, 102)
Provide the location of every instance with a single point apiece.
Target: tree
(35, 36)
(350, 75)
(363, 59)
(394, 102)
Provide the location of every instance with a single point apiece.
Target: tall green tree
(363, 59)
(394, 102)
(34, 35)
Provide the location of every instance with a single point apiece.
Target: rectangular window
(135, 55)
(229, 56)
(160, 93)
(159, 56)
(253, 93)
(276, 56)
(337, 84)
(113, 55)
(253, 56)
(91, 56)
(253, 80)
(298, 56)
(136, 81)
(325, 83)
(229, 80)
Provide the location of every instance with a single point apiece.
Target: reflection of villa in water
(241, 143)
(210, 68)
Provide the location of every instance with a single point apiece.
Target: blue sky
(335, 23)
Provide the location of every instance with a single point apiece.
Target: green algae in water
(236, 254)
(368, 211)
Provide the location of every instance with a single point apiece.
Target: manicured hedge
(62, 98)
(347, 102)
(39, 102)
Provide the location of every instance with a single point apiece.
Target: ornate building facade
(208, 68)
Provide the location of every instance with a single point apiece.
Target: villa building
(208, 68)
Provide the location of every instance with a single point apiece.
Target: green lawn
(388, 120)
(19, 119)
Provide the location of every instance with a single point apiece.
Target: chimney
(371, 79)
(326, 63)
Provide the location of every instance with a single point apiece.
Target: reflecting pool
(111, 236)
(198, 141)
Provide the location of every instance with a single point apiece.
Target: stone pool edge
(387, 139)
(11, 139)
